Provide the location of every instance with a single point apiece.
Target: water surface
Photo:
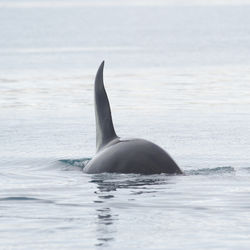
(176, 74)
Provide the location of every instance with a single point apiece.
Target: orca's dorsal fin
(104, 125)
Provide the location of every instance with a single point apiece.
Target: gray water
(177, 73)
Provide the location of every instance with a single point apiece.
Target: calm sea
(177, 73)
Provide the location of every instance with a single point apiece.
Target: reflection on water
(107, 185)
(105, 230)
(105, 218)
(112, 182)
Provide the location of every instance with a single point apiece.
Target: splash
(211, 171)
(80, 163)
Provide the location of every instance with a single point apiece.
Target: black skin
(115, 155)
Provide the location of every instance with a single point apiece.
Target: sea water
(176, 72)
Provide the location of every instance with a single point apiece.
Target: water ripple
(211, 171)
(23, 198)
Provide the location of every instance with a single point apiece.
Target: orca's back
(133, 156)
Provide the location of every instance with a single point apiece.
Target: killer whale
(116, 155)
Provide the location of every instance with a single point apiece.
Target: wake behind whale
(116, 155)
